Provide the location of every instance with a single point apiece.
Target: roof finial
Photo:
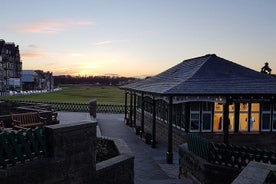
(266, 69)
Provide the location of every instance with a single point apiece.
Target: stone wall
(72, 157)
(119, 169)
(201, 171)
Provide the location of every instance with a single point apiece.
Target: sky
(137, 38)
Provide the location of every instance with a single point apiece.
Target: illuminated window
(255, 117)
(251, 122)
(243, 116)
(218, 117)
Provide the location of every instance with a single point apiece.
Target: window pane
(254, 122)
(265, 121)
(244, 107)
(255, 107)
(266, 107)
(207, 106)
(195, 106)
(243, 122)
(195, 116)
(218, 107)
(206, 124)
(232, 107)
(218, 121)
(194, 125)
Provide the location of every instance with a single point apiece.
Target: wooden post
(142, 114)
(226, 122)
(131, 110)
(134, 110)
(126, 119)
(153, 141)
(237, 117)
(187, 117)
(170, 146)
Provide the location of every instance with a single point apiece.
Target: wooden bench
(27, 120)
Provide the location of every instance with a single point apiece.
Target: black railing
(239, 156)
(227, 154)
(199, 146)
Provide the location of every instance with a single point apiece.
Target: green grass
(77, 94)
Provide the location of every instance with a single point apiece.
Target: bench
(27, 120)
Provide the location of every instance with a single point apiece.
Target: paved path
(150, 165)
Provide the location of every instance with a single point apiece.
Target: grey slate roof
(208, 74)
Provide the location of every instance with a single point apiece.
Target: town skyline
(129, 38)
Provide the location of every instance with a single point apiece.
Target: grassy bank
(77, 94)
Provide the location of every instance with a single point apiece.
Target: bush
(106, 149)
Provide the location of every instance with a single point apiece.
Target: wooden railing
(21, 146)
(227, 154)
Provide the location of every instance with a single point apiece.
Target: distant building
(37, 80)
(10, 66)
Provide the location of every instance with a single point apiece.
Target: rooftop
(207, 74)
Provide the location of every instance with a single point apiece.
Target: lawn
(77, 94)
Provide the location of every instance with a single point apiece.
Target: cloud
(51, 26)
(31, 51)
(26, 55)
(107, 42)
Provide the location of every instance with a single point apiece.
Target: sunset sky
(137, 38)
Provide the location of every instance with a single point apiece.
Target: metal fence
(199, 146)
(227, 154)
(239, 156)
(21, 146)
(84, 107)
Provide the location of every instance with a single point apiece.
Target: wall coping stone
(254, 172)
(124, 154)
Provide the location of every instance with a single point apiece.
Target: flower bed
(106, 149)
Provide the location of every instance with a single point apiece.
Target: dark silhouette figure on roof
(266, 69)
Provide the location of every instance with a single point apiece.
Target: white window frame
(198, 113)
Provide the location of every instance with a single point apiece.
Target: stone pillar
(134, 110)
(131, 110)
(93, 107)
(73, 146)
(126, 119)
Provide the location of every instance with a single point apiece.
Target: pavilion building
(206, 94)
